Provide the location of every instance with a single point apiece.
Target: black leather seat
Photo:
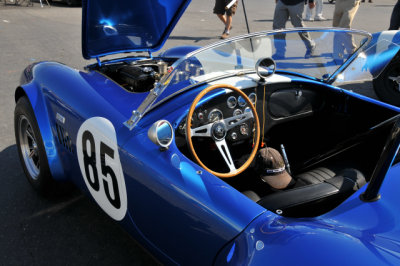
(316, 192)
(322, 174)
(315, 176)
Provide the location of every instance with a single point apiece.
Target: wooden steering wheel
(218, 131)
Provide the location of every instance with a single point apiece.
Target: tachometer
(215, 115)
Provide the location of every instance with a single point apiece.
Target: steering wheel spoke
(202, 131)
(238, 120)
(224, 150)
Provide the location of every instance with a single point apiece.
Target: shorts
(220, 5)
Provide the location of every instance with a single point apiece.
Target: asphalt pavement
(72, 230)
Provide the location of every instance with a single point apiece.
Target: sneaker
(227, 30)
(320, 19)
(310, 52)
(225, 35)
(308, 19)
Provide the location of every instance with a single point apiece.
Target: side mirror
(265, 67)
(161, 133)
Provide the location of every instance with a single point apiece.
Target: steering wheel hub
(218, 131)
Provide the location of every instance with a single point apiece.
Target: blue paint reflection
(230, 254)
(193, 180)
(106, 22)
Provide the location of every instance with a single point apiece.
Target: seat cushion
(315, 176)
(347, 179)
(322, 174)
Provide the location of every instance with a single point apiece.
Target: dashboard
(220, 108)
(283, 109)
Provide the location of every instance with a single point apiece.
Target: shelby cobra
(227, 154)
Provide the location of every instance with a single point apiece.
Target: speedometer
(215, 115)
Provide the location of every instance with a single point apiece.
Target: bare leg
(227, 20)
(222, 18)
(228, 23)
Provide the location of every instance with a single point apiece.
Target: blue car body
(181, 212)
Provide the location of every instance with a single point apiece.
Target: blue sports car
(259, 149)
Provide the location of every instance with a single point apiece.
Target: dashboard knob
(244, 129)
(200, 116)
(234, 136)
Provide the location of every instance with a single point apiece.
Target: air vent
(63, 138)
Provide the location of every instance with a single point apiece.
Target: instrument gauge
(237, 112)
(200, 115)
(241, 101)
(253, 98)
(231, 102)
(215, 115)
(244, 129)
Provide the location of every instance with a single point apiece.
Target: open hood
(119, 26)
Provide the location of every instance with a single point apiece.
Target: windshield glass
(369, 63)
(316, 53)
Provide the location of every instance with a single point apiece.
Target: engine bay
(136, 76)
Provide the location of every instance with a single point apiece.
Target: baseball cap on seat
(271, 168)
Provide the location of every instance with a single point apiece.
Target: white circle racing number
(101, 167)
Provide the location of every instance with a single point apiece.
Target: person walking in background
(225, 15)
(395, 17)
(343, 16)
(344, 13)
(318, 12)
(293, 9)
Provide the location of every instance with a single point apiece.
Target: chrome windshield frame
(148, 103)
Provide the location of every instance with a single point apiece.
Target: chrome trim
(212, 111)
(228, 103)
(255, 98)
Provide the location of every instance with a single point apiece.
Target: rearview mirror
(265, 67)
(161, 133)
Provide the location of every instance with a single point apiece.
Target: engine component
(138, 79)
